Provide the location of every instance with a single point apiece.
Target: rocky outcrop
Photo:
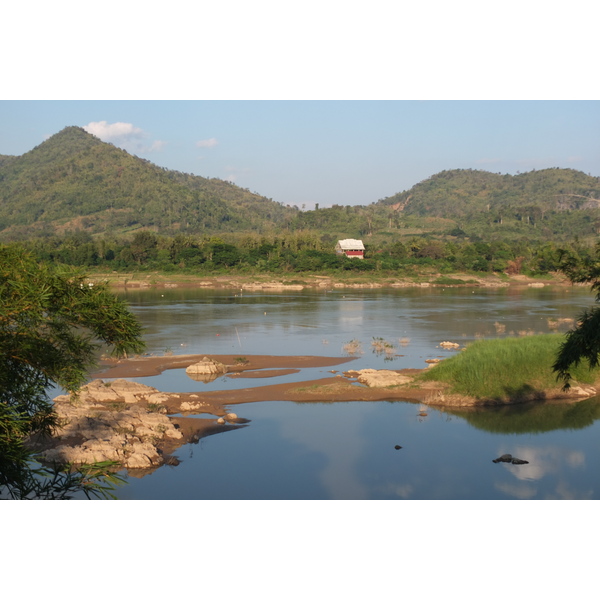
(582, 391)
(109, 426)
(119, 390)
(124, 422)
(380, 378)
(206, 370)
(207, 366)
(449, 345)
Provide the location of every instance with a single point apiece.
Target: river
(348, 450)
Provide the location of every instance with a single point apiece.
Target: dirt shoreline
(144, 366)
(139, 427)
(272, 282)
(340, 387)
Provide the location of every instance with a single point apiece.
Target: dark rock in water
(504, 458)
(398, 447)
(508, 458)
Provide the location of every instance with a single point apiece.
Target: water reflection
(347, 450)
(338, 472)
(533, 417)
(553, 463)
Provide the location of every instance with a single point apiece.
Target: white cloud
(124, 135)
(157, 145)
(110, 132)
(543, 461)
(209, 143)
(233, 173)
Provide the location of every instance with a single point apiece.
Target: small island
(115, 419)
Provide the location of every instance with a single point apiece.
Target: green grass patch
(504, 368)
(448, 281)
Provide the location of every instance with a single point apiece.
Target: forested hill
(551, 199)
(73, 180)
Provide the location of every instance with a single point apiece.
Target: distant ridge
(73, 180)
(463, 192)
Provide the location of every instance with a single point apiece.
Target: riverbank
(299, 281)
(340, 387)
(346, 386)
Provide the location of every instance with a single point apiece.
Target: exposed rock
(104, 423)
(192, 406)
(381, 378)
(503, 458)
(449, 345)
(584, 391)
(119, 390)
(206, 370)
(509, 458)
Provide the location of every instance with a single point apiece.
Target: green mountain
(550, 203)
(73, 181)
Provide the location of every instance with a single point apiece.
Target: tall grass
(505, 367)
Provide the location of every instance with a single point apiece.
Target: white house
(351, 248)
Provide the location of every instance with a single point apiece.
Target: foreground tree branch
(583, 342)
(52, 323)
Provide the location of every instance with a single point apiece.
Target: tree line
(300, 251)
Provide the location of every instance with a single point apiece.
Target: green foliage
(51, 322)
(295, 251)
(74, 180)
(503, 368)
(533, 417)
(583, 342)
(449, 281)
(548, 204)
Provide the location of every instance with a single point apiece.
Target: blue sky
(318, 102)
(326, 152)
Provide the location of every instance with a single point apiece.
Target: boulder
(119, 390)
(449, 345)
(207, 366)
(509, 458)
(92, 431)
(381, 378)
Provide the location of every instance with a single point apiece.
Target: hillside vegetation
(75, 182)
(548, 204)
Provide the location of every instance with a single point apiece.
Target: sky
(314, 102)
(324, 152)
